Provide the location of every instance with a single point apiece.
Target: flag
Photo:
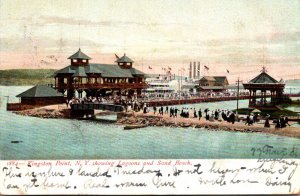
(207, 68)
(117, 56)
(169, 68)
(163, 68)
(227, 70)
(149, 67)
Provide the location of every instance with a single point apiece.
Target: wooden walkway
(166, 102)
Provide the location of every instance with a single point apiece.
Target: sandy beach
(166, 120)
(50, 111)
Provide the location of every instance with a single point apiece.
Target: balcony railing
(103, 85)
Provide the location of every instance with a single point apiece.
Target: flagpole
(142, 64)
(178, 71)
(180, 82)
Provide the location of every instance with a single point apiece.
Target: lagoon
(73, 139)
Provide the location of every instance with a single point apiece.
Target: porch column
(254, 98)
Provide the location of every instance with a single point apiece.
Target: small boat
(127, 127)
(15, 142)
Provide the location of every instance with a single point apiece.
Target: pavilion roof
(124, 59)
(106, 70)
(40, 91)
(263, 78)
(79, 55)
(218, 79)
(212, 87)
(80, 72)
(208, 78)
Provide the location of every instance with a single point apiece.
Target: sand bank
(130, 118)
(155, 120)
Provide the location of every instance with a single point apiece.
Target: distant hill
(20, 77)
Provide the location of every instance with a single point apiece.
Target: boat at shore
(136, 126)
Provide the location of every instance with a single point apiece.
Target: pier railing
(104, 85)
(191, 100)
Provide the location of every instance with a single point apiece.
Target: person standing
(282, 121)
(171, 112)
(216, 114)
(199, 113)
(267, 123)
(207, 116)
(286, 120)
(247, 120)
(278, 125)
(224, 116)
(161, 110)
(255, 118)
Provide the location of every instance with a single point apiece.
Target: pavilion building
(41, 95)
(99, 79)
(213, 83)
(263, 85)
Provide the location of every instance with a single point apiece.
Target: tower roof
(263, 78)
(124, 59)
(79, 55)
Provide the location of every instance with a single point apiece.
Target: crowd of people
(128, 103)
(214, 115)
(131, 104)
(281, 122)
(185, 112)
(253, 118)
(187, 95)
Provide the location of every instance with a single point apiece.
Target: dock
(165, 102)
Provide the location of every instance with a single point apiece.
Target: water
(73, 139)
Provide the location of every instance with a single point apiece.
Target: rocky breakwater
(143, 120)
(46, 112)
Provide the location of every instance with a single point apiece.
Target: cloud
(48, 20)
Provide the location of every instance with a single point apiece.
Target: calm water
(72, 139)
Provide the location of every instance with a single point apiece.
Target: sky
(240, 36)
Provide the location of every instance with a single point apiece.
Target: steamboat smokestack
(194, 74)
(190, 73)
(198, 71)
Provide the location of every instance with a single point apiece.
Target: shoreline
(166, 121)
(149, 119)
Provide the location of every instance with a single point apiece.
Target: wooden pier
(202, 99)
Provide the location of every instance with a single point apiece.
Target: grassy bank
(19, 77)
